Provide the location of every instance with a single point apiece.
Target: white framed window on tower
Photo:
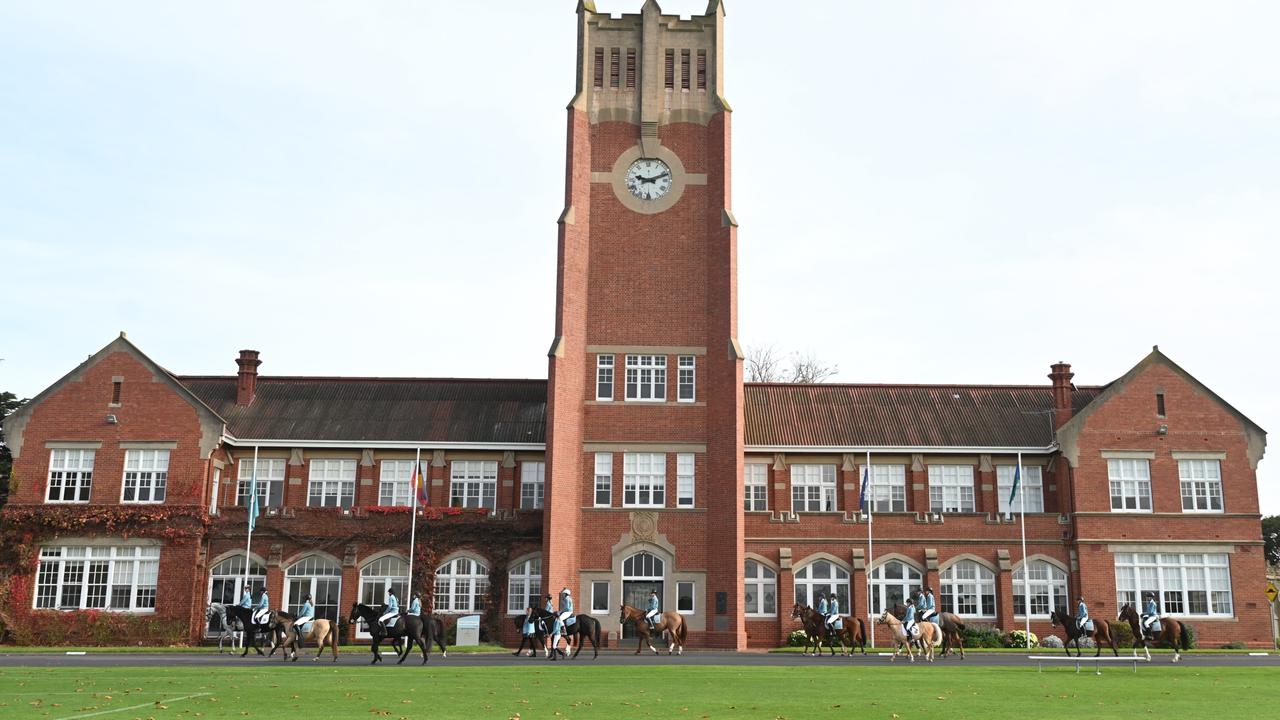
(270, 482)
(647, 378)
(473, 484)
(604, 479)
(70, 476)
(146, 475)
(951, 488)
(533, 485)
(1030, 488)
(684, 480)
(813, 488)
(686, 374)
(644, 480)
(604, 377)
(888, 491)
(332, 483)
(755, 487)
(1130, 482)
(394, 483)
(1201, 482)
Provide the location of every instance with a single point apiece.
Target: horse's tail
(862, 631)
(1184, 636)
(684, 631)
(595, 633)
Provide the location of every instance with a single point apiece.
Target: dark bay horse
(585, 627)
(853, 631)
(1173, 633)
(244, 616)
(948, 623)
(406, 626)
(1101, 632)
(541, 630)
(669, 625)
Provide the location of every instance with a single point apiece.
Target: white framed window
(968, 589)
(146, 475)
(395, 483)
(1048, 584)
(755, 487)
(813, 488)
(604, 479)
(332, 483)
(760, 590)
(1184, 583)
(533, 485)
(1201, 482)
(1030, 488)
(822, 577)
(270, 482)
(1130, 482)
(684, 597)
(643, 566)
(462, 586)
(951, 488)
(888, 491)
(686, 374)
(319, 577)
(376, 578)
(647, 378)
(684, 479)
(892, 583)
(599, 597)
(117, 579)
(524, 586)
(227, 583)
(604, 377)
(70, 476)
(473, 484)
(644, 480)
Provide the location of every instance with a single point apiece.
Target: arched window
(1048, 584)
(642, 566)
(462, 584)
(524, 585)
(319, 577)
(226, 583)
(968, 589)
(761, 590)
(893, 582)
(388, 572)
(822, 576)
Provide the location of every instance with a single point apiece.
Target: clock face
(649, 178)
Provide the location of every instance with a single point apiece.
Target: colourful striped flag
(420, 485)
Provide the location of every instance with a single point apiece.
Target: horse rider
(246, 599)
(654, 610)
(549, 608)
(1150, 614)
(563, 619)
(833, 612)
(262, 611)
(928, 610)
(909, 619)
(415, 605)
(822, 607)
(302, 625)
(1082, 614)
(390, 609)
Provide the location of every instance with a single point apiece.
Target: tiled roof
(902, 415)
(377, 409)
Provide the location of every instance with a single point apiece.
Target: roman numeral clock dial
(649, 179)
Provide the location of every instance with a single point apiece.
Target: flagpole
(413, 527)
(1026, 565)
(870, 552)
(250, 501)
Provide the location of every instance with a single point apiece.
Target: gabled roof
(900, 416)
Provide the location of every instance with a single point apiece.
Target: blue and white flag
(1017, 478)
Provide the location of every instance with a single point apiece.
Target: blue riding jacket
(822, 606)
(550, 607)
(653, 603)
(1082, 612)
(834, 607)
(415, 607)
(308, 610)
(263, 602)
(566, 604)
(392, 605)
(911, 615)
(927, 603)
(1151, 608)
(246, 600)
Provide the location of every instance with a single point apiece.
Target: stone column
(1004, 591)
(786, 595)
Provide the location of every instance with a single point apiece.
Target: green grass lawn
(579, 691)
(60, 650)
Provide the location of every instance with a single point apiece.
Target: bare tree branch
(807, 368)
(765, 364)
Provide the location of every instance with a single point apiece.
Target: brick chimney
(1060, 374)
(247, 382)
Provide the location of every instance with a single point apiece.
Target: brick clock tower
(644, 444)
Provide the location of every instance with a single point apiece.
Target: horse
(1173, 633)
(949, 624)
(670, 625)
(815, 627)
(322, 631)
(540, 632)
(929, 635)
(584, 627)
(232, 631)
(1101, 632)
(410, 626)
(243, 616)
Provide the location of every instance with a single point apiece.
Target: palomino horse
(1173, 633)
(232, 631)
(1101, 633)
(948, 623)
(929, 635)
(670, 625)
(322, 632)
(584, 627)
(816, 629)
(405, 626)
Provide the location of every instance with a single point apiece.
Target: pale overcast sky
(927, 191)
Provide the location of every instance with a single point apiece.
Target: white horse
(226, 631)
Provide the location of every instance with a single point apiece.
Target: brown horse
(670, 625)
(322, 632)
(930, 635)
(853, 630)
(949, 624)
(1101, 633)
(1173, 633)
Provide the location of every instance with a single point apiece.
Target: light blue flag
(253, 498)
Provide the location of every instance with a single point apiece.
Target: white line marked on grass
(133, 707)
(1259, 654)
(73, 652)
